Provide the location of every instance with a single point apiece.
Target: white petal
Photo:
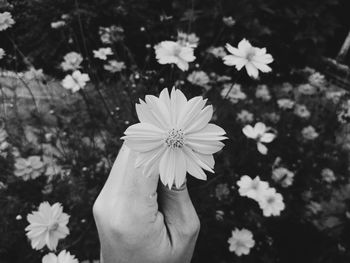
(244, 46)
(208, 159)
(202, 120)
(211, 130)
(267, 137)
(260, 128)
(180, 169)
(144, 131)
(190, 154)
(166, 167)
(234, 51)
(250, 132)
(145, 115)
(205, 147)
(159, 109)
(193, 108)
(195, 170)
(149, 158)
(262, 148)
(262, 67)
(252, 70)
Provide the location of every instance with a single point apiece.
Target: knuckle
(191, 228)
(97, 209)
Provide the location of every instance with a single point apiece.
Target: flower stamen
(175, 139)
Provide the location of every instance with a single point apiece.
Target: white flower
(241, 241)
(252, 188)
(309, 133)
(30, 168)
(72, 61)
(47, 226)
(190, 40)
(245, 116)
(2, 53)
(260, 134)
(6, 21)
(102, 53)
(335, 95)
(114, 66)
(63, 257)
(271, 203)
(283, 176)
(307, 89)
(328, 175)
(233, 92)
(174, 137)
(228, 21)
(252, 58)
(285, 104)
(218, 52)
(34, 74)
(76, 81)
(170, 52)
(317, 79)
(302, 111)
(199, 78)
(263, 93)
(58, 24)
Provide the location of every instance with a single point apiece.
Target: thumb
(179, 213)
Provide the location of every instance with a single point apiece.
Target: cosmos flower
(263, 93)
(252, 188)
(317, 79)
(283, 176)
(328, 175)
(302, 111)
(114, 66)
(47, 226)
(58, 24)
(228, 21)
(233, 93)
(72, 61)
(76, 81)
(190, 40)
(6, 21)
(63, 257)
(199, 78)
(29, 168)
(271, 203)
(170, 52)
(245, 116)
(307, 89)
(2, 53)
(260, 134)
(34, 74)
(285, 104)
(102, 53)
(218, 52)
(309, 133)
(241, 241)
(174, 137)
(252, 58)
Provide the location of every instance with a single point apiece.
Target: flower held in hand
(174, 136)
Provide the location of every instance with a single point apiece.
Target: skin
(139, 220)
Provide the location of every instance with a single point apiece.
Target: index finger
(126, 179)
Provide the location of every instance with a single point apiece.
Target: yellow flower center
(175, 139)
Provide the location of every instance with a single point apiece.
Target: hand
(139, 221)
